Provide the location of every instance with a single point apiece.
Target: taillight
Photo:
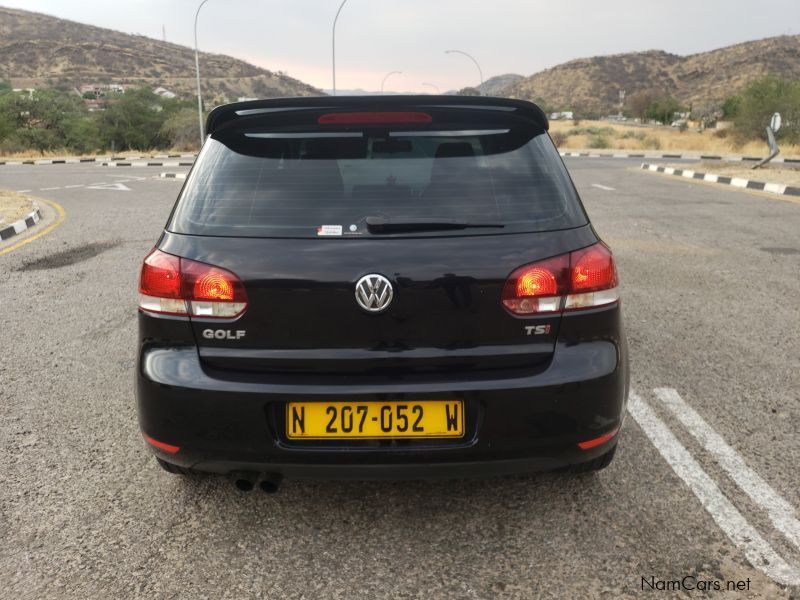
(537, 288)
(178, 286)
(582, 279)
(593, 278)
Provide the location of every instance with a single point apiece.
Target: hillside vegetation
(592, 85)
(41, 51)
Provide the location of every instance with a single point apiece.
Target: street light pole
(333, 44)
(387, 77)
(436, 87)
(197, 73)
(472, 58)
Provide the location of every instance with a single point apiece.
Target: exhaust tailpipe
(244, 481)
(270, 482)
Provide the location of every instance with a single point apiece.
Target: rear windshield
(270, 182)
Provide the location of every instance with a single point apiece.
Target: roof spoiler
(230, 112)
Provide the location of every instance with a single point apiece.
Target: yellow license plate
(374, 420)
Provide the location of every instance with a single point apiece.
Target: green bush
(602, 131)
(559, 138)
(634, 135)
(651, 143)
(599, 142)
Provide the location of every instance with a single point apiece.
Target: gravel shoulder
(770, 174)
(14, 206)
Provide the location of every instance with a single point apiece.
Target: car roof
(230, 112)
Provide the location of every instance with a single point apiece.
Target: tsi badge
(223, 334)
(538, 329)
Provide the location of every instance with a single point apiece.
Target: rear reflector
(163, 446)
(598, 441)
(178, 286)
(586, 278)
(374, 118)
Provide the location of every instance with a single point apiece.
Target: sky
(375, 37)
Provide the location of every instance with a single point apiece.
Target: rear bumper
(408, 471)
(226, 422)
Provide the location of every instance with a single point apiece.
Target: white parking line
(23, 191)
(77, 185)
(603, 187)
(757, 550)
(781, 513)
(49, 189)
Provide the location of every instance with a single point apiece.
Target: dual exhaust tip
(246, 481)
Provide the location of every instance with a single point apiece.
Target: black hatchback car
(367, 288)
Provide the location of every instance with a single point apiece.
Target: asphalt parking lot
(705, 485)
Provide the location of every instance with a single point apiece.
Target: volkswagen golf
(393, 287)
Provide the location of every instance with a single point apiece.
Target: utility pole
(197, 73)
(333, 44)
(472, 58)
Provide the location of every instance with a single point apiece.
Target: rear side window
(272, 181)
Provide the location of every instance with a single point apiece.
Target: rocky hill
(593, 84)
(37, 50)
(495, 85)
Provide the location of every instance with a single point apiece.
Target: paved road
(705, 483)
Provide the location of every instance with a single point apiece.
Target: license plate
(374, 420)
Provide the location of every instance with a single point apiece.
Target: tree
(639, 102)
(134, 120)
(730, 108)
(468, 91)
(181, 129)
(663, 109)
(760, 100)
(44, 120)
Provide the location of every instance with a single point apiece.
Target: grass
(13, 206)
(619, 136)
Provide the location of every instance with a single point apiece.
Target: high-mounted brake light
(374, 118)
(585, 278)
(178, 286)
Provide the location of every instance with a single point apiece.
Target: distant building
(94, 105)
(164, 93)
(28, 91)
(566, 114)
(101, 89)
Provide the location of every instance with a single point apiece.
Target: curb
(676, 156)
(147, 164)
(24, 223)
(93, 159)
(173, 175)
(773, 188)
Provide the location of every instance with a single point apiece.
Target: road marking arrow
(120, 187)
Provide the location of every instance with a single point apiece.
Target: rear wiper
(388, 225)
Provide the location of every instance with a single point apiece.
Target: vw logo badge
(374, 293)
